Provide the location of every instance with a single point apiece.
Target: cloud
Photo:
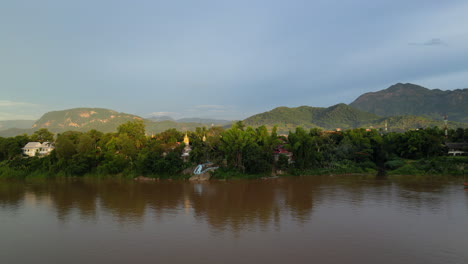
(11, 110)
(14, 116)
(431, 42)
(6, 103)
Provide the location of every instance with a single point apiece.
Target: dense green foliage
(411, 99)
(239, 151)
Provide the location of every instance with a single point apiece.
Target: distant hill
(338, 116)
(11, 132)
(401, 106)
(6, 124)
(83, 119)
(207, 121)
(160, 118)
(156, 127)
(411, 99)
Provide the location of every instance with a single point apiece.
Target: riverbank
(397, 168)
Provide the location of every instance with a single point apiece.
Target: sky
(222, 59)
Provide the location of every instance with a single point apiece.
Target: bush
(407, 169)
(394, 164)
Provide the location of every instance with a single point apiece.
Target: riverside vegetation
(240, 151)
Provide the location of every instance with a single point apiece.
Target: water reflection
(297, 219)
(11, 194)
(233, 205)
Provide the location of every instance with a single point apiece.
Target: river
(314, 219)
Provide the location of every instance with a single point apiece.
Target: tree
(135, 130)
(42, 135)
(303, 148)
(86, 144)
(64, 147)
(11, 147)
(234, 143)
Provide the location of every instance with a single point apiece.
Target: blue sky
(222, 59)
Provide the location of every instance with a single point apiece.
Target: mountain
(411, 99)
(157, 127)
(401, 107)
(207, 121)
(337, 116)
(160, 118)
(12, 132)
(6, 124)
(83, 119)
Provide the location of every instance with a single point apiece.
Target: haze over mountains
(208, 121)
(401, 106)
(6, 124)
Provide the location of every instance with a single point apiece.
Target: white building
(33, 148)
(457, 149)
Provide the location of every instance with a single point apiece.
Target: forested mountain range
(339, 116)
(401, 107)
(411, 99)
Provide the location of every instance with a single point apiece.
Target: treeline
(238, 150)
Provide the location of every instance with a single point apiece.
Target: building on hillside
(36, 148)
(457, 149)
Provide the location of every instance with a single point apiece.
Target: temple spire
(186, 139)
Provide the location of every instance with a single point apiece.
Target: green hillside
(411, 99)
(401, 106)
(343, 116)
(338, 116)
(404, 123)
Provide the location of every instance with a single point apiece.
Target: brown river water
(314, 219)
